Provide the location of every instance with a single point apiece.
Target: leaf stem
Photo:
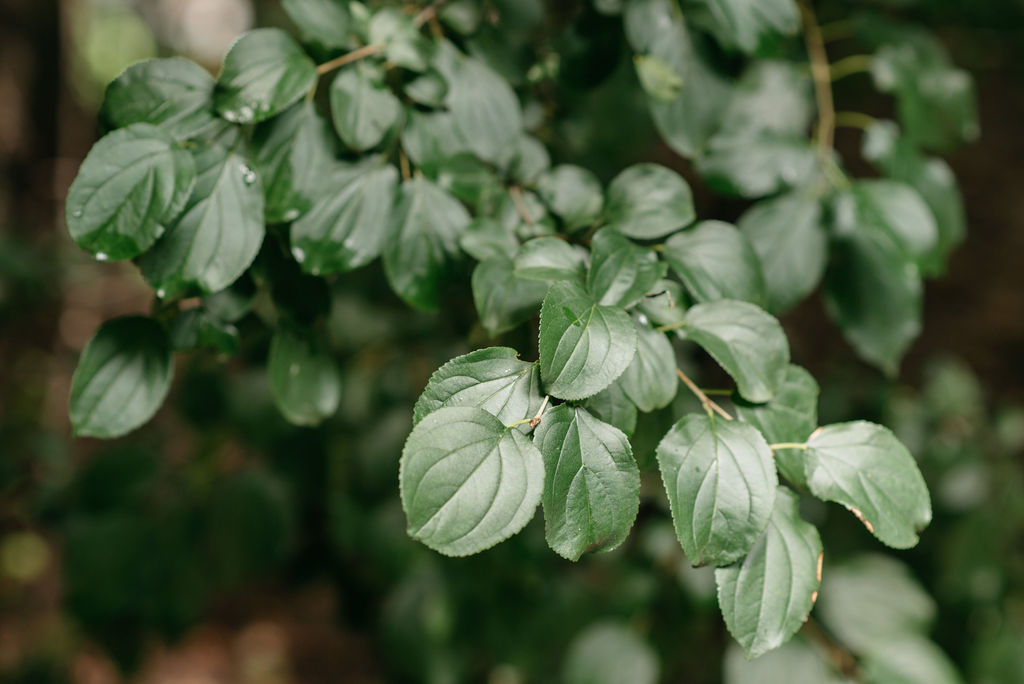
(517, 199)
(847, 66)
(788, 445)
(822, 77)
(348, 58)
(855, 120)
(403, 162)
(708, 404)
(535, 421)
(716, 392)
(427, 13)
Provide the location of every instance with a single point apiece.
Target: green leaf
(787, 235)
(584, 346)
(664, 304)
(430, 138)
(772, 96)
(747, 24)
(759, 164)
(721, 486)
(322, 22)
(502, 299)
(485, 112)
(790, 416)
(933, 180)
(133, 182)
(304, 379)
(485, 238)
(429, 89)
(871, 600)
(196, 328)
(293, 158)
(795, 662)
(122, 378)
(468, 482)
(767, 596)
(530, 161)
(264, 73)
(875, 298)
(403, 43)
(892, 214)
(866, 469)
(363, 108)
(174, 94)
(909, 660)
(462, 16)
(745, 340)
(591, 482)
(621, 272)
(469, 179)
(715, 261)
(648, 201)
(613, 407)
(572, 193)
(494, 379)
(218, 235)
(426, 225)
(658, 78)
(550, 258)
(650, 381)
(608, 653)
(347, 228)
(656, 30)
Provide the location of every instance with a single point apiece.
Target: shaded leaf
(304, 378)
(621, 272)
(648, 201)
(502, 299)
(650, 381)
(715, 261)
(363, 108)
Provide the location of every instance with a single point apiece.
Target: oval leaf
(468, 482)
(502, 299)
(264, 73)
(591, 482)
(572, 193)
(721, 485)
(132, 183)
(304, 378)
(650, 381)
(648, 201)
(745, 340)
(122, 377)
(363, 109)
(494, 379)
(549, 258)
(324, 22)
(620, 271)
(767, 596)
(715, 261)
(865, 468)
(584, 346)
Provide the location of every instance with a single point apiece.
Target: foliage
(239, 191)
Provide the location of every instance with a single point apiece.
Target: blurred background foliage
(221, 544)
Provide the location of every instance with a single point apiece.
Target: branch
(348, 58)
(708, 404)
(822, 76)
(517, 199)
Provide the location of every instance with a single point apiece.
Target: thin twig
(787, 445)
(403, 162)
(700, 395)
(855, 120)
(822, 81)
(847, 66)
(427, 13)
(535, 421)
(348, 58)
(517, 199)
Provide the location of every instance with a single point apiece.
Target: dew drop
(161, 293)
(299, 254)
(291, 215)
(101, 256)
(231, 116)
(245, 114)
(642, 319)
(77, 213)
(248, 175)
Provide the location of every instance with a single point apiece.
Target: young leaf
(591, 482)
(658, 78)
(786, 232)
(122, 377)
(656, 29)
(747, 342)
(132, 183)
(620, 271)
(426, 225)
(648, 201)
(790, 416)
(721, 486)
(502, 299)
(174, 94)
(363, 108)
(572, 193)
(584, 346)
(348, 227)
(715, 261)
(650, 381)
(304, 379)
(767, 596)
(865, 468)
(613, 407)
(264, 73)
(549, 258)
(746, 24)
(875, 298)
(323, 22)
(218, 235)
(293, 158)
(493, 379)
(467, 481)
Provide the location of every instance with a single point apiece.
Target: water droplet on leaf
(101, 256)
(248, 175)
(299, 254)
